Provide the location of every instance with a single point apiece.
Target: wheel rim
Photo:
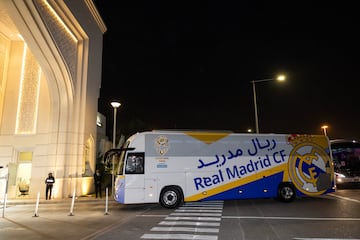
(170, 198)
(287, 193)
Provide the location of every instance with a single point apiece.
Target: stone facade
(50, 78)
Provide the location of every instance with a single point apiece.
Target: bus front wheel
(286, 192)
(170, 197)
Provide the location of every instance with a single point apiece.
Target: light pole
(115, 105)
(325, 127)
(279, 78)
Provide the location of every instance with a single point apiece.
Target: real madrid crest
(161, 144)
(309, 165)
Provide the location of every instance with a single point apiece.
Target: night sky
(189, 65)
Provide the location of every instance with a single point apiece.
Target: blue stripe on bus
(263, 188)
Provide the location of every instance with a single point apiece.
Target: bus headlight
(339, 177)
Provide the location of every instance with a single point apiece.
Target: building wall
(52, 126)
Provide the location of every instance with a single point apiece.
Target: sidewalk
(56, 219)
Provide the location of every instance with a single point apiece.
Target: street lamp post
(279, 78)
(115, 105)
(325, 127)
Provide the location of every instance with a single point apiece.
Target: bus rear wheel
(286, 192)
(170, 197)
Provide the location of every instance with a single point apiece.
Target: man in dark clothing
(49, 181)
(97, 182)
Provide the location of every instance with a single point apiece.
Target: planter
(24, 189)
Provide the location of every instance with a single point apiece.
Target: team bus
(173, 167)
(346, 156)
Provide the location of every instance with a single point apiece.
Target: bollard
(37, 205)
(72, 204)
(106, 202)
(5, 198)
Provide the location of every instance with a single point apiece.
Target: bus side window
(337, 164)
(139, 167)
(135, 163)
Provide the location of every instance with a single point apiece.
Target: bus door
(134, 177)
(150, 189)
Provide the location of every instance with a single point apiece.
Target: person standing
(49, 181)
(97, 182)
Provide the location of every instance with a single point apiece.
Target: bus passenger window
(135, 164)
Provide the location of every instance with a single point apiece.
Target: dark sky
(188, 65)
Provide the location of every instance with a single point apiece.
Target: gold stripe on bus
(208, 137)
(233, 184)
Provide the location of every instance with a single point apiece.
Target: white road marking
(179, 236)
(327, 238)
(190, 223)
(194, 218)
(185, 229)
(200, 214)
(205, 217)
(344, 198)
(292, 218)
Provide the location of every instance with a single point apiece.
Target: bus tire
(171, 197)
(286, 192)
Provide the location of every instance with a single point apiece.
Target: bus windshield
(120, 168)
(120, 155)
(346, 156)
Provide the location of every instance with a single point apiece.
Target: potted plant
(23, 187)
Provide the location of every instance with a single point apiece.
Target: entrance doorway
(22, 173)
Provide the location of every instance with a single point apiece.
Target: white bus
(172, 167)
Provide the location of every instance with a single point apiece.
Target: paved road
(335, 216)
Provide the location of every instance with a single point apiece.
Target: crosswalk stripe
(199, 207)
(191, 223)
(179, 236)
(194, 218)
(197, 210)
(185, 229)
(204, 203)
(196, 214)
